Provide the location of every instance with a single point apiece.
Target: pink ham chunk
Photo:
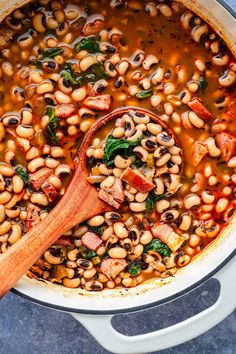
(50, 191)
(99, 103)
(196, 105)
(137, 180)
(113, 196)
(111, 267)
(38, 178)
(65, 111)
(91, 241)
(167, 235)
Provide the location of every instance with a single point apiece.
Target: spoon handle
(79, 204)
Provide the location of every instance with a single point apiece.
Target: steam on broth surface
(63, 65)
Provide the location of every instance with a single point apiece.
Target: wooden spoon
(79, 203)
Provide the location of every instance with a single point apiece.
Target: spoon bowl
(79, 203)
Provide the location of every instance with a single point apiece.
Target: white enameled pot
(95, 310)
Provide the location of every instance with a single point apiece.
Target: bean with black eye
(119, 82)
(170, 215)
(148, 144)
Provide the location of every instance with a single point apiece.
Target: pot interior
(151, 292)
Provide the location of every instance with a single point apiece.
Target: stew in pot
(64, 64)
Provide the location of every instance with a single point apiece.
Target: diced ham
(196, 105)
(137, 180)
(167, 235)
(99, 103)
(118, 191)
(226, 142)
(91, 241)
(111, 267)
(64, 241)
(108, 198)
(93, 25)
(50, 191)
(65, 111)
(113, 196)
(38, 178)
(199, 151)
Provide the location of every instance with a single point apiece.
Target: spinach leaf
(144, 94)
(152, 199)
(96, 229)
(89, 44)
(134, 268)
(23, 173)
(121, 147)
(94, 73)
(69, 74)
(51, 127)
(87, 253)
(202, 83)
(51, 52)
(158, 246)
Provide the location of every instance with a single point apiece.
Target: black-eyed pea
(5, 197)
(232, 162)
(93, 285)
(134, 235)
(89, 273)
(35, 164)
(72, 130)
(61, 97)
(212, 148)
(212, 181)
(165, 139)
(23, 215)
(39, 198)
(79, 94)
(80, 231)
(195, 120)
(120, 230)
(5, 227)
(51, 163)
(62, 170)
(191, 201)
(155, 100)
(71, 283)
(145, 237)
(27, 117)
(24, 131)
(127, 282)
(45, 87)
(74, 120)
(71, 265)
(101, 250)
(183, 260)
(98, 153)
(6, 170)
(121, 162)
(72, 255)
(141, 197)
(112, 216)
(86, 125)
(165, 10)
(96, 221)
(221, 205)
(55, 181)
(117, 252)
(194, 240)
(10, 157)
(213, 231)
(185, 222)
(207, 197)
(151, 9)
(17, 184)
(110, 284)
(170, 215)
(160, 187)
(227, 79)
(15, 234)
(2, 213)
(137, 58)
(163, 160)
(102, 278)
(138, 250)
(7, 69)
(122, 67)
(162, 205)
(227, 191)
(107, 233)
(137, 207)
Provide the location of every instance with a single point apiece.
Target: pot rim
(150, 305)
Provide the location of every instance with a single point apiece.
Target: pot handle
(100, 327)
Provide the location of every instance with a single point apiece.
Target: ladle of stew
(80, 202)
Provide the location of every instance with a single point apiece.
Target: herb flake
(158, 246)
